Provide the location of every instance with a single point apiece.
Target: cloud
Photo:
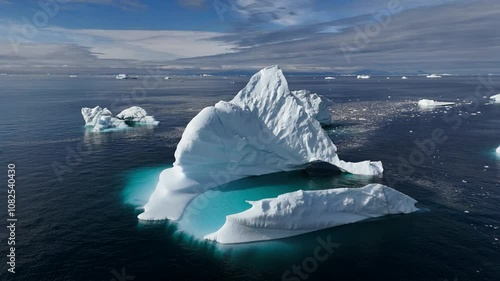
(457, 37)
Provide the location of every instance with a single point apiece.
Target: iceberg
(265, 129)
(92, 115)
(100, 119)
(329, 78)
(495, 98)
(136, 114)
(301, 212)
(425, 103)
(404, 78)
(433, 76)
(316, 105)
(121, 76)
(498, 150)
(363, 77)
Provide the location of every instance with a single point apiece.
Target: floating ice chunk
(363, 77)
(495, 98)
(167, 78)
(136, 114)
(316, 105)
(404, 78)
(432, 103)
(265, 129)
(92, 115)
(301, 212)
(433, 76)
(107, 122)
(121, 76)
(330, 78)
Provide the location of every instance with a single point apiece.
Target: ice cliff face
(315, 105)
(300, 212)
(264, 129)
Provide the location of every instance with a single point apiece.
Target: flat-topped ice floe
(363, 77)
(432, 76)
(432, 103)
(101, 119)
(265, 129)
(301, 212)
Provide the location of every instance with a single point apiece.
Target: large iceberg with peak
(301, 212)
(265, 129)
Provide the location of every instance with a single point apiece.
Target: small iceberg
(101, 119)
(264, 129)
(425, 103)
(363, 77)
(124, 77)
(433, 76)
(495, 98)
(166, 78)
(301, 212)
(330, 78)
(404, 78)
(73, 76)
(136, 115)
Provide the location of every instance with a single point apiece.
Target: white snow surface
(301, 212)
(101, 119)
(433, 103)
(495, 98)
(316, 105)
(136, 114)
(265, 129)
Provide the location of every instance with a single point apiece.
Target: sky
(214, 36)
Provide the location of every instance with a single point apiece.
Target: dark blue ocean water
(78, 192)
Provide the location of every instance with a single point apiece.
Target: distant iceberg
(433, 76)
(425, 103)
(101, 119)
(265, 129)
(166, 78)
(363, 77)
(121, 76)
(495, 98)
(404, 78)
(301, 212)
(329, 78)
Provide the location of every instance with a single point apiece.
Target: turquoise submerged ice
(301, 212)
(265, 129)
